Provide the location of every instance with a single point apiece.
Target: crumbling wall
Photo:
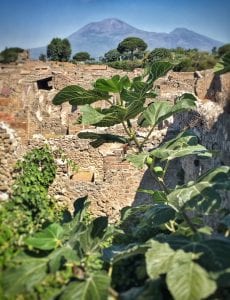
(27, 90)
(110, 182)
(9, 149)
(102, 174)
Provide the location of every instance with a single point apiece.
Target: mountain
(97, 38)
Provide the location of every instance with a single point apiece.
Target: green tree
(193, 59)
(81, 56)
(112, 55)
(214, 50)
(42, 57)
(159, 54)
(59, 50)
(132, 45)
(66, 50)
(223, 66)
(224, 49)
(10, 54)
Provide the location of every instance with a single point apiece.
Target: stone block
(96, 67)
(18, 125)
(6, 117)
(5, 102)
(83, 176)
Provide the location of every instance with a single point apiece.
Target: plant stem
(160, 182)
(188, 221)
(131, 135)
(147, 137)
(165, 168)
(118, 99)
(165, 189)
(110, 271)
(113, 293)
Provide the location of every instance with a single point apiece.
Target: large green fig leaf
(155, 113)
(129, 96)
(151, 290)
(214, 252)
(110, 116)
(77, 95)
(161, 110)
(185, 102)
(202, 194)
(157, 196)
(47, 239)
(131, 211)
(101, 138)
(223, 66)
(22, 278)
(139, 90)
(90, 115)
(94, 287)
(104, 117)
(226, 221)
(182, 273)
(158, 69)
(219, 250)
(88, 238)
(138, 160)
(186, 280)
(56, 257)
(159, 214)
(115, 85)
(175, 152)
(116, 253)
(94, 234)
(158, 258)
(134, 109)
(76, 225)
(186, 143)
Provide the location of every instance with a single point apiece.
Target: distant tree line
(60, 50)
(130, 53)
(10, 55)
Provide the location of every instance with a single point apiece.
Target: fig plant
(175, 214)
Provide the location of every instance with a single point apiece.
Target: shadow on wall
(180, 171)
(216, 90)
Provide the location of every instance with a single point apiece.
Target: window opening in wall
(45, 84)
(196, 162)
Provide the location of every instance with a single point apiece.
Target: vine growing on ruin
(30, 207)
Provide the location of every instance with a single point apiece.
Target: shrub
(30, 207)
(126, 65)
(10, 54)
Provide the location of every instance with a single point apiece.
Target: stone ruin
(28, 119)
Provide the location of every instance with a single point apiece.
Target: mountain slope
(99, 37)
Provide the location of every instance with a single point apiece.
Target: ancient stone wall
(102, 174)
(26, 94)
(9, 150)
(27, 90)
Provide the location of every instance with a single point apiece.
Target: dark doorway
(45, 84)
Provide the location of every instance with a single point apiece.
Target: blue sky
(33, 23)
